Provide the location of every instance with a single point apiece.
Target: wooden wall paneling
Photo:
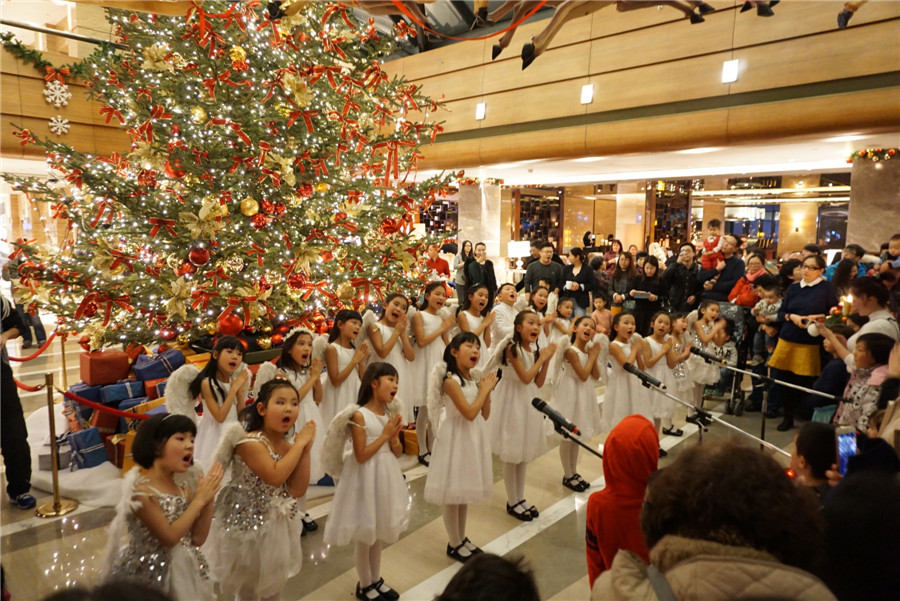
(610, 22)
(456, 85)
(455, 57)
(558, 99)
(667, 132)
(10, 64)
(554, 65)
(33, 105)
(576, 30)
(833, 55)
(10, 99)
(459, 116)
(567, 141)
(108, 140)
(449, 155)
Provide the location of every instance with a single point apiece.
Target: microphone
(708, 357)
(558, 420)
(646, 379)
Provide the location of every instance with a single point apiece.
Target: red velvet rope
(38, 352)
(28, 388)
(103, 408)
(407, 13)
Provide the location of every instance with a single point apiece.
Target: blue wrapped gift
(132, 403)
(126, 389)
(87, 448)
(151, 367)
(161, 389)
(91, 393)
(156, 410)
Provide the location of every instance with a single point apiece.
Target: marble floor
(42, 555)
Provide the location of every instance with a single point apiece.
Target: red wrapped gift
(115, 448)
(150, 387)
(104, 367)
(106, 423)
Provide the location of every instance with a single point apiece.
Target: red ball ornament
(199, 255)
(282, 328)
(230, 325)
(277, 339)
(174, 170)
(249, 330)
(339, 216)
(296, 281)
(259, 221)
(185, 269)
(280, 208)
(85, 343)
(168, 332)
(305, 189)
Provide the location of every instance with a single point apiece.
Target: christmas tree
(269, 179)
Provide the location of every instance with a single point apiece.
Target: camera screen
(846, 449)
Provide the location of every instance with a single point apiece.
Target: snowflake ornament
(59, 126)
(57, 93)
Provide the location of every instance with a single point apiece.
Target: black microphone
(644, 376)
(555, 417)
(708, 357)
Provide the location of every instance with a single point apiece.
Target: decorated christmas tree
(269, 179)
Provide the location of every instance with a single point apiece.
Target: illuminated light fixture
(699, 150)
(588, 159)
(587, 93)
(730, 71)
(845, 138)
(479, 111)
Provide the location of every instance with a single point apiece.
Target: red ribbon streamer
(166, 223)
(36, 353)
(104, 408)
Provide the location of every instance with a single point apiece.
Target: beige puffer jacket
(706, 571)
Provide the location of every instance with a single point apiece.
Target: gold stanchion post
(59, 506)
(65, 372)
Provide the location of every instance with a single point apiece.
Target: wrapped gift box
(126, 444)
(130, 404)
(104, 367)
(115, 448)
(87, 448)
(410, 442)
(147, 405)
(63, 452)
(157, 410)
(149, 367)
(161, 388)
(121, 391)
(151, 387)
(91, 393)
(200, 359)
(105, 423)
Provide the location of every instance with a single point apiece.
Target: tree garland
(873, 154)
(45, 67)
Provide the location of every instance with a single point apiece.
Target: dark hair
(467, 302)
(566, 299)
(154, 432)
(692, 247)
(596, 263)
(656, 315)
(894, 237)
(286, 360)
(857, 320)
(431, 287)
(787, 272)
(738, 241)
(375, 371)
(462, 249)
(857, 249)
(729, 328)
(545, 244)
(342, 317)
(110, 591)
(388, 300)
(879, 346)
(577, 252)
(488, 577)
(705, 304)
(652, 260)
(631, 270)
(759, 255)
(842, 275)
(613, 242)
(617, 318)
(578, 321)
(455, 343)
(815, 443)
(813, 248)
(766, 281)
(517, 336)
(714, 223)
(531, 300)
(714, 492)
(819, 260)
(845, 331)
(504, 285)
(250, 416)
(212, 366)
(870, 286)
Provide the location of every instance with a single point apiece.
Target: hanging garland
(42, 65)
(874, 154)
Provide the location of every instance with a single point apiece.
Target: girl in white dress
(538, 304)
(391, 344)
(296, 366)
(254, 545)
(461, 471)
(223, 386)
(473, 316)
(561, 327)
(166, 523)
(703, 333)
(344, 364)
(575, 396)
(517, 430)
(658, 353)
(504, 312)
(431, 330)
(624, 394)
(371, 501)
(682, 382)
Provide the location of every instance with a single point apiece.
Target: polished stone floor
(42, 555)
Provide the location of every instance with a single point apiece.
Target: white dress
(504, 318)
(403, 367)
(663, 407)
(474, 322)
(461, 469)
(254, 542)
(309, 412)
(624, 394)
(209, 430)
(427, 357)
(556, 336)
(371, 500)
(517, 428)
(682, 380)
(335, 399)
(181, 571)
(701, 371)
(577, 400)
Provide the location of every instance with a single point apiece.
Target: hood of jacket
(630, 455)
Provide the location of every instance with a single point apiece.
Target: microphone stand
(705, 418)
(576, 439)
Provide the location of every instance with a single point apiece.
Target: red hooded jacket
(630, 455)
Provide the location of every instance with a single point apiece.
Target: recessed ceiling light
(846, 138)
(588, 159)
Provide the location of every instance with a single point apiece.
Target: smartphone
(845, 443)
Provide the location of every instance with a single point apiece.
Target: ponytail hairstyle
(388, 300)
(286, 360)
(618, 318)
(231, 343)
(578, 321)
(563, 301)
(517, 335)
(153, 434)
(431, 287)
(342, 317)
(373, 373)
(706, 304)
(467, 302)
(250, 416)
(531, 306)
(458, 341)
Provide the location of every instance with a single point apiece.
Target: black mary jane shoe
(525, 516)
(390, 594)
(454, 553)
(673, 431)
(474, 551)
(425, 459)
(309, 524)
(362, 596)
(532, 510)
(663, 452)
(572, 483)
(582, 483)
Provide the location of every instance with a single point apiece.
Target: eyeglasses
(816, 267)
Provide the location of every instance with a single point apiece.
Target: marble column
(874, 202)
(480, 221)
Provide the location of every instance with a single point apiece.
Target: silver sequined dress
(254, 542)
(182, 572)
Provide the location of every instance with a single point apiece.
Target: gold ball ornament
(184, 338)
(249, 207)
(210, 326)
(174, 261)
(266, 327)
(294, 295)
(321, 188)
(340, 253)
(234, 263)
(283, 109)
(346, 291)
(264, 342)
(237, 53)
(199, 115)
